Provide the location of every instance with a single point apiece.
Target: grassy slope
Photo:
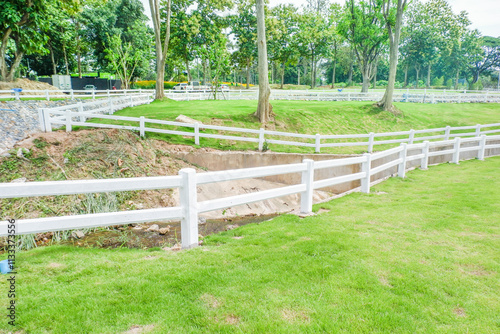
(316, 117)
(403, 259)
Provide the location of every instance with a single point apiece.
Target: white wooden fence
(72, 115)
(419, 96)
(311, 95)
(188, 180)
(49, 116)
(48, 94)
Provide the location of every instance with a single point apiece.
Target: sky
(484, 14)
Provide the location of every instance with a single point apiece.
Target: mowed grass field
(417, 255)
(310, 117)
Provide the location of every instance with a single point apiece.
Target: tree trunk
(406, 75)
(333, 72)
(375, 76)
(54, 68)
(313, 83)
(298, 76)
(248, 74)
(366, 82)
(351, 70)
(429, 76)
(188, 70)
(263, 107)
(282, 75)
(13, 68)
(161, 48)
(65, 59)
(78, 50)
(3, 51)
(456, 79)
(417, 71)
(394, 37)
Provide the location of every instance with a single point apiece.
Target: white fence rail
(188, 180)
(70, 116)
(59, 115)
(307, 95)
(71, 94)
(432, 96)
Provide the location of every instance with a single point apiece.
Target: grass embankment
(312, 117)
(409, 257)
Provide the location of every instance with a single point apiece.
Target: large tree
(282, 38)
(394, 31)
(161, 46)
(487, 59)
(263, 107)
(244, 28)
(23, 27)
(363, 25)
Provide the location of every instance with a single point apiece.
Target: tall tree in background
(161, 47)
(363, 25)
(244, 28)
(282, 39)
(263, 107)
(23, 26)
(394, 31)
(487, 59)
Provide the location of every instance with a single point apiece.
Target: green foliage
(438, 81)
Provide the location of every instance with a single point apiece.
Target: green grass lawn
(313, 117)
(416, 255)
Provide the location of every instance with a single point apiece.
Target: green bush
(382, 83)
(449, 83)
(438, 81)
(477, 86)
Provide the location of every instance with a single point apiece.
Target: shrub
(151, 84)
(438, 81)
(382, 83)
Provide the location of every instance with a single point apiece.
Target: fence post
(306, 198)
(141, 126)
(72, 94)
(402, 164)
(348, 96)
(261, 139)
(107, 91)
(110, 101)
(425, 159)
(131, 102)
(68, 120)
(46, 118)
(80, 111)
(41, 119)
(447, 133)
(365, 168)
(459, 98)
(317, 143)
(93, 94)
(478, 130)
(189, 204)
(432, 98)
(47, 95)
(482, 148)
(196, 133)
(412, 136)
(370, 142)
(456, 149)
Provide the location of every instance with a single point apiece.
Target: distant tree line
(320, 43)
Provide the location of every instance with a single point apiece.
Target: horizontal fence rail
(413, 96)
(73, 115)
(370, 167)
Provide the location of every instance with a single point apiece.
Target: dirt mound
(27, 84)
(102, 154)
